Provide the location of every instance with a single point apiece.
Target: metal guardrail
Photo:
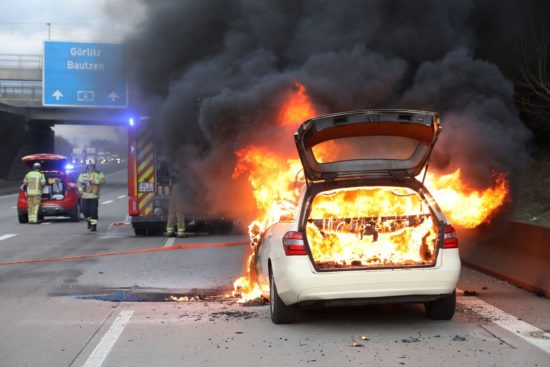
(15, 61)
(20, 90)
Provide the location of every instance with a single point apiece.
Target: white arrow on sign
(57, 95)
(113, 96)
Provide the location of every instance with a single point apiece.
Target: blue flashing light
(131, 121)
(69, 167)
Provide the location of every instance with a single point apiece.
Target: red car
(60, 196)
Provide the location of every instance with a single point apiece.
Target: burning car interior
(365, 227)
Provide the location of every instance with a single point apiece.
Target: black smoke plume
(213, 73)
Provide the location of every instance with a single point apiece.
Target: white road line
(8, 235)
(121, 196)
(170, 242)
(107, 202)
(9, 196)
(14, 207)
(45, 223)
(98, 355)
(527, 332)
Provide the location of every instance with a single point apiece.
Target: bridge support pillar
(38, 138)
(11, 139)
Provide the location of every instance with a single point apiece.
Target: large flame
(463, 205)
(273, 179)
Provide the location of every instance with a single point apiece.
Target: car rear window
(366, 148)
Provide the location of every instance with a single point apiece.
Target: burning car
(364, 229)
(60, 196)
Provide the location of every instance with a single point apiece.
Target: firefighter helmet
(36, 166)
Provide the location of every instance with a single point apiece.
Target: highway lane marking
(170, 242)
(8, 235)
(121, 196)
(508, 322)
(107, 202)
(9, 196)
(100, 352)
(45, 223)
(14, 207)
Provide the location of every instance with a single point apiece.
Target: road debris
(468, 293)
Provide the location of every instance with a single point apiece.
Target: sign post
(77, 74)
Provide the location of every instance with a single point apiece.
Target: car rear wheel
(140, 231)
(75, 213)
(23, 218)
(280, 313)
(442, 308)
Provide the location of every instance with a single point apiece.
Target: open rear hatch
(372, 143)
(48, 162)
(356, 222)
(52, 165)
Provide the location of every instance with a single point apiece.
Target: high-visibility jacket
(35, 181)
(88, 184)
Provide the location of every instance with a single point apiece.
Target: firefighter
(88, 185)
(34, 181)
(175, 214)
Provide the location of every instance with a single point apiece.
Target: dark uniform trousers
(89, 209)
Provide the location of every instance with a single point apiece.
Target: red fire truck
(149, 186)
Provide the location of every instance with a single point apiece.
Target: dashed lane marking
(45, 223)
(98, 355)
(170, 242)
(8, 235)
(527, 332)
(121, 196)
(107, 202)
(9, 196)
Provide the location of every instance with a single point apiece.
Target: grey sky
(23, 22)
(23, 29)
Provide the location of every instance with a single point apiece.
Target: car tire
(23, 218)
(140, 231)
(75, 214)
(280, 313)
(442, 308)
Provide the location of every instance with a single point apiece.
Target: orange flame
(275, 185)
(463, 205)
(297, 107)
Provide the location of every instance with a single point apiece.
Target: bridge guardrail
(20, 90)
(18, 61)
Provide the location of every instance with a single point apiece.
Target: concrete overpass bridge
(26, 123)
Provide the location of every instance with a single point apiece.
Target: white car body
(299, 282)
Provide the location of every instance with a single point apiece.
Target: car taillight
(449, 239)
(293, 243)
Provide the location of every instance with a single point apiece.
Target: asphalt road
(114, 311)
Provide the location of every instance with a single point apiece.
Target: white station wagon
(365, 229)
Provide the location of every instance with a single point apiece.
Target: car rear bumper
(54, 210)
(297, 281)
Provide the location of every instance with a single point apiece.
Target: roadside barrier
(518, 253)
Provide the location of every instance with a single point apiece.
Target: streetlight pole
(49, 31)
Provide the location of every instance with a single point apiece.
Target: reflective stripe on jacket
(34, 181)
(88, 184)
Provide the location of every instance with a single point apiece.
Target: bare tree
(533, 92)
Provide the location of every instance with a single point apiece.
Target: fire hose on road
(130, 252)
